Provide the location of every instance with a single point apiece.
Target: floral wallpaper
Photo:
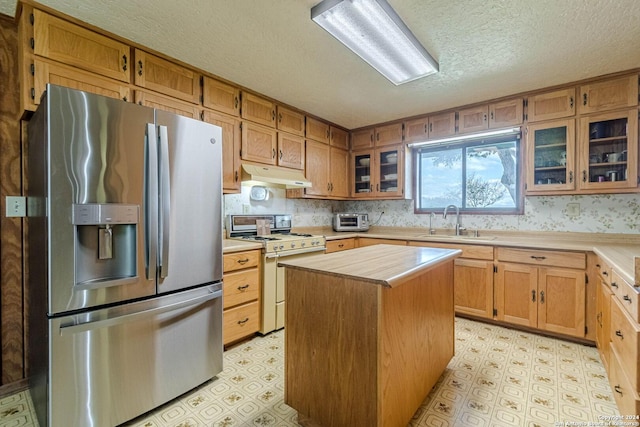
(608, 213)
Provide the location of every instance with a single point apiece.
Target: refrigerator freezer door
(190, 205)
(114, 364)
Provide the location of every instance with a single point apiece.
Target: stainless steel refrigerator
(125, 257)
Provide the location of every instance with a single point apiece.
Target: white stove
(278, 242)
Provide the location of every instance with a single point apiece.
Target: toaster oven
(350, 222)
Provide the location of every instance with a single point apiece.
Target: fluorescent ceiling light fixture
(374, 32)
(469, 137)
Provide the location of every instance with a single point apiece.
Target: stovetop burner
(259, 238)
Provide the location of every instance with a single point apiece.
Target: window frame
(518, 209)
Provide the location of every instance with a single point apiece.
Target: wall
(610, 213)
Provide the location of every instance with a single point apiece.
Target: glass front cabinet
(608, 156)
(377, 172)
(551, 145)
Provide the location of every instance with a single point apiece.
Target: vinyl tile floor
(498, 377)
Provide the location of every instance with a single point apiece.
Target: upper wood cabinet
(442, 125)
(327, 169)
(290, 121)
(506, 113)
(473, 119)
(231, 166)
(166, 103)
(339, 138)
(166, 77)
(318, 130)
(220, 96)
(416, 130)
(62, 75)
(609, 94)
(290, 150)
(551, 105)
(551, 156)
(71, 44)
(388, 134)
(362, 138)
(259, 143)
(259, 110)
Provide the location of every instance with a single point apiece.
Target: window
(481, 176)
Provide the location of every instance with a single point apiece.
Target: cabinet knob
(243, 321)
(619, 334)
(584, 99)
(533, 296)
(273, 153)
(124, 62)
(627, 299)
(243, 287)
(613, 284)
(618, 389)
(139, 68)
(541, 297)
(571, 102)
(570, 176)
(243, 261)
(584, 176)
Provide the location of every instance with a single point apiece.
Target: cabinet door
(339, 138)
(317, 159)
(339, 160)
(551, 105)
(167, 103)
(290, 121)
(290, 151)
(52, 72)
(362, 139)
(231, 171)
(168, 78)
(561, 301)
(603, 321)
(550, 150)
(388, 135)
(388, 175)
(473, 119)
(608, 95)
(362, 163)
(517, 294)
(416, 130)
(259, 143)
(473, 287)
(608, 155)
(220, 96)
(258, 109)
(506, 113)
(73, 45)
(442, 125)
(317, 130)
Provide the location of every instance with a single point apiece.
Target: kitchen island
(368, 333)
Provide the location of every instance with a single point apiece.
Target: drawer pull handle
(604, 273)
(533, 296)
(243, 261)
(341, 245)
(243, 287)
(243, 321)
(541, 297)
(627, 299)
(538, 258)
(619, 334)
(614, 285)
(618, 389)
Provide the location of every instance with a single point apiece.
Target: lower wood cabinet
(241, 295)
(547, 298)
(340, 245)
(603, 321)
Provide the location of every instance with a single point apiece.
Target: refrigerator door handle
(165, 202)
(136, 315)
(151, 211)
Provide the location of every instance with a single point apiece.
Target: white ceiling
(486, 48)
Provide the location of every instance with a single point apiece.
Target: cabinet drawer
(627, 399)
(604, 271)
(540, 257)
(468, 251)
(626, 294)
(240, 260)
(241, 321)
(624, 338)
(241, 286)
(340, 245)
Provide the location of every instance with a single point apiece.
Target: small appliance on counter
(351, 222)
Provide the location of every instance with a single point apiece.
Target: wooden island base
(365, 348)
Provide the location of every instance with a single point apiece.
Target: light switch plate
(16, 206)
(573, 209)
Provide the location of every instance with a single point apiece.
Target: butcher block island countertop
(368, 333)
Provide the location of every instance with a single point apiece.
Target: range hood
(283, 177)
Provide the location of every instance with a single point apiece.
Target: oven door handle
(295, 252)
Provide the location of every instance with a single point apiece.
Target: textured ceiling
(486, 48)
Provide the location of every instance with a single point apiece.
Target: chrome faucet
(459, 227)
(432, 216)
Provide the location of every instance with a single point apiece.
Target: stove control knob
(281, 247)
(303, 244)
(293, 245)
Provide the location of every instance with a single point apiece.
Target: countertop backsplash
(608, 213)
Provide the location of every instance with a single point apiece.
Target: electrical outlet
(573, 209)
(16, 206)
(246, 208)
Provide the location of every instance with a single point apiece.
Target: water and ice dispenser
(105, 243)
